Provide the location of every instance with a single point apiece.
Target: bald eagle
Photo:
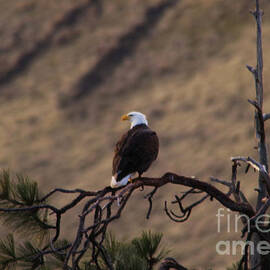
(135, 151)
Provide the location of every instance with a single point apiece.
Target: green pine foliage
(123, 255)
(141, 253)
(7, 253)
(58, 258)
(147, 246)
(27, 255)
(20, 193)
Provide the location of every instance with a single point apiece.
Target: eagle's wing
(135, 153)
(118, 152)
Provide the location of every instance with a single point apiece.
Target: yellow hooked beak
(125, 117)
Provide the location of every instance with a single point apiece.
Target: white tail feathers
(122, 182)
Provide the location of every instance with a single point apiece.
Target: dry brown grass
(187, 74)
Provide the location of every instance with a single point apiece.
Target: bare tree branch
(102, 207)
(263, 180)
(259, 118)
(266, 116)
(149, 196)
(258, 167)
(186, 211)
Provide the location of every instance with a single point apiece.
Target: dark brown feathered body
(135, 151)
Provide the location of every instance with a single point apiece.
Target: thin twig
(149, 196)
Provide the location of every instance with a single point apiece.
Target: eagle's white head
(135, 118)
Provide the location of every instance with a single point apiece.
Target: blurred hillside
(70, 69)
